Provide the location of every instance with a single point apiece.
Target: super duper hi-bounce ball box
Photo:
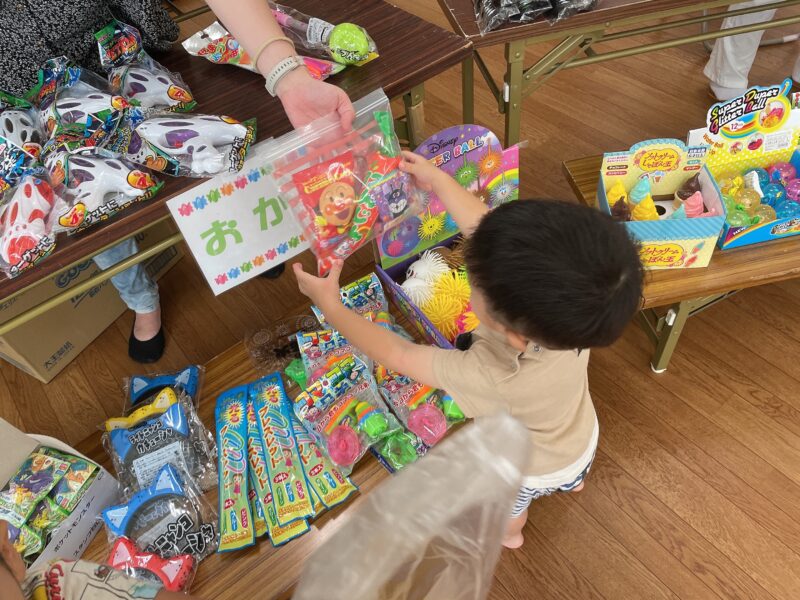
(475, 158)
(666, 243)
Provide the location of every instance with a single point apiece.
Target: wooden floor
(695, 492)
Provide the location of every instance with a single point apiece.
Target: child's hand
(321, 290)
(424, 173)
(9, 555)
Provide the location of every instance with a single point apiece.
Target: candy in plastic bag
(96, 187)
(346, 43)
(134, 74)
(345, 413)
(182, 145)
(320, 350)
(68, 492)
(217, 45)
(346, 191)
(25, 539)
(364, 296)
(168, 518)
(175, 573)
(26, 224)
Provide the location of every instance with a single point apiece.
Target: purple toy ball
(781, 172)
(774, 193)
(793, 190)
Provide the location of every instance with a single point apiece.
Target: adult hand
(305, 99)
(322, 291)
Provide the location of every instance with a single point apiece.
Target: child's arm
(463, 206)
(381, 345)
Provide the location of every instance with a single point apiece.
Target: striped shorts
(527, 495)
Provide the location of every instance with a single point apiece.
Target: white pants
(733, 56)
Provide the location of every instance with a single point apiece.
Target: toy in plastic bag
(31, 484)
(345, 192)
(96, 187)
(67, 95)
(25, 539)
(182, 145)
(290, 492)
(364, 296)
(566, 8)
(453, 507)
(175, 573)
(133, 73)
(68, 492)
(26, 224)
(346, 43)
(236, 525)
(164, 431)
(20, 125)
(217, 45)
(345, 412)
(168, 518)
(491, 14)
(320, 350)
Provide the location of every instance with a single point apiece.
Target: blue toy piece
(142, 386)
(787, 209)
(166, 483)
(774, 194)
(141, 437)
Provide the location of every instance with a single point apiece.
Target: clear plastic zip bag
(345, 187)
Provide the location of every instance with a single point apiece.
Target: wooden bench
(685, 292)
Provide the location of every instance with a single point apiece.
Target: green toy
(370, 420)
(297, 373)
(349, 44)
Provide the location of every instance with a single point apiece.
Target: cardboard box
(44, 346)
(757, 129)
(73, 536)
(473, 156)
(666, 243)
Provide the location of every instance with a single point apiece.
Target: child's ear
(517, 340)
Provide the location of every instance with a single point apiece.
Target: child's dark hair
(562, 274)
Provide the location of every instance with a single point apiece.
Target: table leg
(415, 115)
(468, 90)
(512, 90)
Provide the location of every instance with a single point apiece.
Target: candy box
(71, 538)
(666, 243)
(755, 131)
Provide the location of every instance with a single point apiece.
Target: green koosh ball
(348, 44)
(399, 450)
(451, 410)
(296, 372)
(375, 425)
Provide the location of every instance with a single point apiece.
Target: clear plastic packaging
(27, 219)
(174, 574)
(346, 191)
(274, 347)
(20, 126)
(345, 413)
(346, 43)
(491, 14)
(96, 187)
(214, 43)
(364, 295)
(168, 518)
(563, 9)
(77, 101)
(236, 524)
(163, 431)
(320, 350)
(452, 509)
(134, 74)
(31, 484)
(180, 144)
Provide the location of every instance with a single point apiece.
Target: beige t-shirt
(546, 390)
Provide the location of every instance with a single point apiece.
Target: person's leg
(729, 65)
(513, 537)
(140, 293)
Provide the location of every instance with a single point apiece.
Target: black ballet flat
(274, 272)
(148, 351)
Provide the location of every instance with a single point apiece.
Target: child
(549, 281)
(71, 580)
